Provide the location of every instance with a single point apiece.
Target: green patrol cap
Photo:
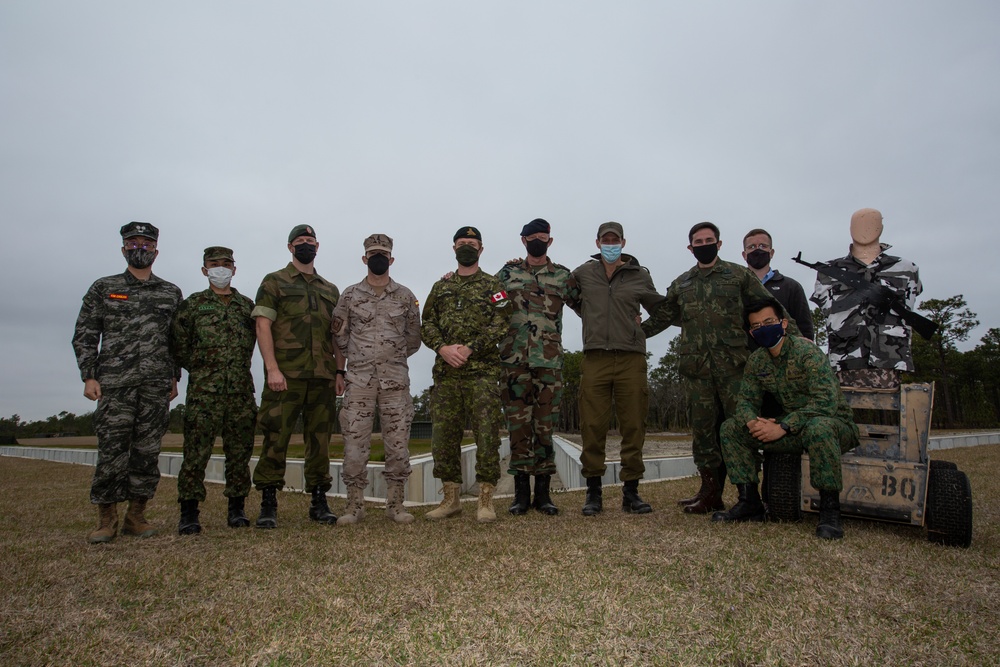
(140, 229)
(468, 233)
(301, 230)
(218, 252)
(610, 227)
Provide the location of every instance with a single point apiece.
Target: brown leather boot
(394, 504)
(107, 524)
(135, 523)
(706, 478)
(450, 506)
(711, 499)
(355, 510)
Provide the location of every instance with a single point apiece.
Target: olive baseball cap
(610, 227)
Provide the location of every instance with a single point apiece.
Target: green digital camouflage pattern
(531, 398)
(213, 340)
(206, 415)
(458, 397)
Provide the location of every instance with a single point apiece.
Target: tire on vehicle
(938, 464)
(784, 487)
(949, 507)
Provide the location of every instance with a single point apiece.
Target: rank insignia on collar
(499, 296)
(118, 297)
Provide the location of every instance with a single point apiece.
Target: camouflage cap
(610, 227)
(378, 242)
(468, 233)
(301, 230)
(140, 229)
(218, 252)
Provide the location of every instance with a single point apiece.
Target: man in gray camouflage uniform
(122, 348)
(376, 325)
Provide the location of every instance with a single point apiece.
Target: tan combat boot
(394, 504)
(135, 523)
(355, 510)
(450, 506)
(485, 513)
(107, 526)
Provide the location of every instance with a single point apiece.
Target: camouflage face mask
(139, 258)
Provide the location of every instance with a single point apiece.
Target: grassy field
(659, 589)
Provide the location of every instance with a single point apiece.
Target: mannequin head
(866, 226)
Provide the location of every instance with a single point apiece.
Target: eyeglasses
(758, 246)
(766, 323)
(140, 245)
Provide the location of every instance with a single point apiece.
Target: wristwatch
(785, 427)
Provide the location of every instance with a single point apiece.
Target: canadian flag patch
(499, 296)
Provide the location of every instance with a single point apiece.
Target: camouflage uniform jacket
(800, 378)
(859, 336)
(609, 307)
(214, 341)
(130, 318)
(300, 305)
(534, 338)
(708, 305)
(467, 310)
(377, 332)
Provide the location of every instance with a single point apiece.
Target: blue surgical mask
(769, 336)
(611, 253)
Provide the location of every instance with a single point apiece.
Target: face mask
(769, 336)
(758, 259)
(611, 253)
(220, 276)
(537, 247)
(467, 254)
(139, 258)
(305, 253)
(705, 254)
(378, 264)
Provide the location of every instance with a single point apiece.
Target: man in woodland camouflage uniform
(213, 338)
(532, 360)
(377, 326)
(294, 313)
(464, 318)
(814, 418)
(122, 348)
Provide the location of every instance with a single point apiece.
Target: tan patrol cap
(378, 242)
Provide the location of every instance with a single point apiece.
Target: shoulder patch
(497, 297)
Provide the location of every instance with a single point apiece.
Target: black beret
(536, 226)
(468, 233)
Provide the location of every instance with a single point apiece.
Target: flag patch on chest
(499, 296)
(118, 297)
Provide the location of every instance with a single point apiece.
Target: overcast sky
(226, 123)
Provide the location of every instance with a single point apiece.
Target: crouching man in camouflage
(376, 325)
(122, 348)
(815, 418)
(213, 338)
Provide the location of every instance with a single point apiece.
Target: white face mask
(220, 276)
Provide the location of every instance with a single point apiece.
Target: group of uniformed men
(498, 341)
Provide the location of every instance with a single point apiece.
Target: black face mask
(758, 259)
(378, 264)
(537, 247)
(705, 254)
(139, 258)
(467, 254)
(305, 253)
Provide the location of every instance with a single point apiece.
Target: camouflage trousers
(619, 379)
(531, 398)
(455, 398)
(869, 378)
(357, 415)
(206, 415)
(315, 400)
(711, 401)
(130, 423)
(824, 439)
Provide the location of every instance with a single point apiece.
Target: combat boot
(394, 504)
(236, 517)
(188, 525)
(594, 503)
(543, 502)
(829, 527)
(355, 510)
(450, 506)
(748, 508)
(484, 511)
(522, 494)
(268, 508)
(631, 502)
(319, 510)
(135, 523)
(107, 524)
(711, 494)
(706, 475)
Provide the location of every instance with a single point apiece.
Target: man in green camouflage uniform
(814, 418)
(464, 319)
(707, 302)
(122, 348)
(294, 313)
(532, 361)
(213, 338)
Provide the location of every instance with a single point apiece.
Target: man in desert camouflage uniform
(122, 348)
(707, 302)
(464, 318)
(532, 361)
(377, 326)
(213, 338)
(814, 418)
(294, 313)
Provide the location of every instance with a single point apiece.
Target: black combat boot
(594, 502)
(268, 508)
(829, 527)
(320, 510)
(631, 502)
(237, 517)
(188, 524)
(543, 502)
(748, 508)
(522, 494)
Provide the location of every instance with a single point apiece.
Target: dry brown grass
(660, 589)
